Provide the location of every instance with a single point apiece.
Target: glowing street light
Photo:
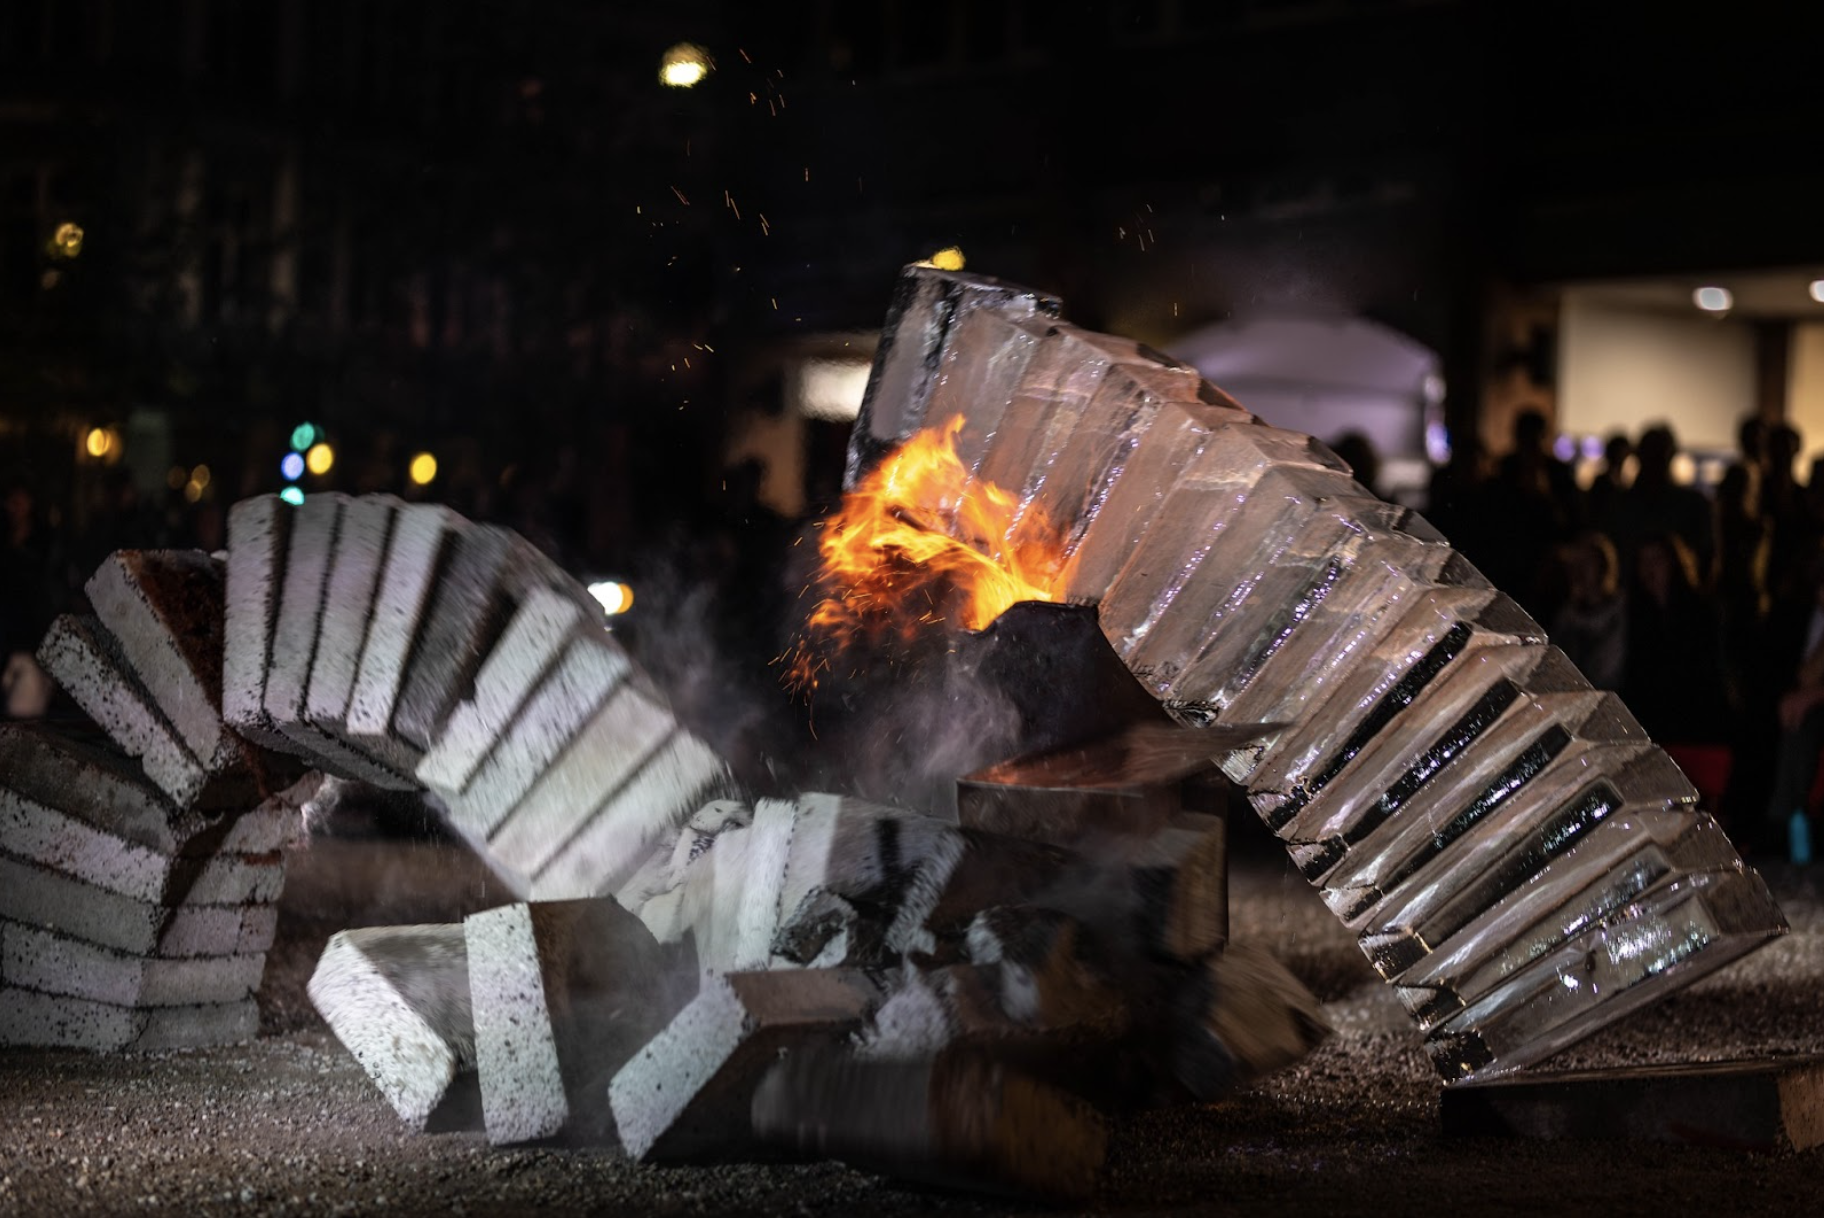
(292, 495)
(66, 240)
(422, 470)
(1817, 290)
(612, 596)
(99, 442)
(950, 258)
(304, 435)
(291, 466)
(319, 459)
(684, 66)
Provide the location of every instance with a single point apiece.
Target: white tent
(1327, 376)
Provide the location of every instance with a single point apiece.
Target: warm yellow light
(66, 242)
(99, 442)
(683, 66)
(200, 475)
(319, 458)
(950, 258)
(613, 596)
(193, 490)
(423, 469)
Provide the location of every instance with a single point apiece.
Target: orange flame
(920, 543)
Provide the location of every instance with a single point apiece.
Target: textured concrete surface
(291, 1123)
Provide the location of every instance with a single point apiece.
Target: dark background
(486, 230)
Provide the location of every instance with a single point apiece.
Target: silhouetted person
(1531, 505)
(1673, 678)
(1656, 504)
(1792, 529)
(1610, 481)
(1592, 625)
(1795, 637)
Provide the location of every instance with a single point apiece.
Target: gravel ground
(290, 1124)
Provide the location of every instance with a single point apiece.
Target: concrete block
(689, 1093)
(397, 997)
(82, 658)
(28, 1018)
(259, 927)
(1242, 1017)
(29, 830)
(258, 530)
(1179, 879)
(302, 592)
(469, 608)
(537, 634)
(35, 959)
(165, 611)
(609, 750)
(36, 896)
(582, 680)
(348, 607)
(604, 854)
(1046, 976)
(1765, 1106)
(303, 597)
(961, 1120)
(99, 786)
(564, 994)
(423, 538)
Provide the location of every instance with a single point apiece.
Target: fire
(920, 544)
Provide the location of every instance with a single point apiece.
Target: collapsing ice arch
(1517, 858)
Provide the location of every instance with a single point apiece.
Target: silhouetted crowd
(1702, 611)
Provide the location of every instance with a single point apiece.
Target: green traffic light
(304, 435)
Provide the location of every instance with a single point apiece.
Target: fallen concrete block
(603, 855)
(82, 658)
(348, 608)
(1047, 976)
(423, 537)
(53, 839)
(164, 610)
(962, 1120)
(104, 788)
(689, 1093)
(28, 1018)
(36, 896)
(470, 606)
(606, 753)
(1242, 1017)
(1767, 1106)
(582, 680)
(258, 530)
(35, 959)
(537, 634)
(296, 635)
(109, 793)
(564, 993)
(397, 997)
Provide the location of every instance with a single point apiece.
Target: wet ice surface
(292, 1125)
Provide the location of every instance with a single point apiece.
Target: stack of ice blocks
(1517, 857)
(404, 646)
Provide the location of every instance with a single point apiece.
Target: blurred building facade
(489, 231)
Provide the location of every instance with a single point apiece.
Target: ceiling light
(1712, 299)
